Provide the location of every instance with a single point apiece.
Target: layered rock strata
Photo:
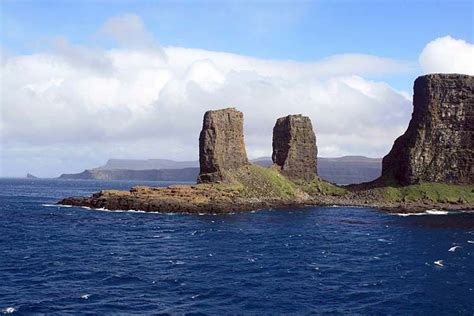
(438, 145)
(221, 144)
(294, 147)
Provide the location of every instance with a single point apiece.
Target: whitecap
(453, 249)
(436, 212)
(470, 241)
(427, 212)
(58, 205)
(85, 296)
(9, 310)
(439, 263)
(408, 214)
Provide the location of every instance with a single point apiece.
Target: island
(429, 167)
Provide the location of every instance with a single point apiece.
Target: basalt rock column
(294, 147)
(438, 144)
(221, 144)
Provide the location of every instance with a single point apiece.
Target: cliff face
(294, 147)
(438, 144)
(221, 144)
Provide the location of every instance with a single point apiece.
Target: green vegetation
(256, 182)
(434, 192)
(319, 186)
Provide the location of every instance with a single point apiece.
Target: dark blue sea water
(334, 260)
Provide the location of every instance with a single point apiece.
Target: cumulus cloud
(141, 105)
(448, 55)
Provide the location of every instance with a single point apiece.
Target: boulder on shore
(221, 144)
(438, 145)
(294, 147)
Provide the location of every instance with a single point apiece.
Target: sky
(85, 81)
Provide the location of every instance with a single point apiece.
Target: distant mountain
(135, 164)
(184, 174)
(342, 170)
(349, 169)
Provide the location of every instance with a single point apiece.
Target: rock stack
(294, 147)
(438, 145)
(221, 144)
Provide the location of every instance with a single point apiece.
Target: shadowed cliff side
(438, 145)
(294, 147)
(221, 144)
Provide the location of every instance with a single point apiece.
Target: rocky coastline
(204, 200)
(429, 167)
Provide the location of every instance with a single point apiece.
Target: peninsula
(430, 166)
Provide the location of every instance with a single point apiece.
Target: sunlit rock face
(294, 147)
(221, 144)
(438, 144)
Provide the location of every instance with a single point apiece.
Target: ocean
(334, 260)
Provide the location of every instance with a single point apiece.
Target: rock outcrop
(438, 144)
(221, 144)
(294, 147)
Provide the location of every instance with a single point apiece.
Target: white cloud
(130, 102)
(448, 55)
(129, 31)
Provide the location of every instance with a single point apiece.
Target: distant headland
(430, 166)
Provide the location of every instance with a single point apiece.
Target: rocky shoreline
(222, 199)
(114, 201)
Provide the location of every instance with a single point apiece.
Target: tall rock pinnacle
(221, 144)
(294, 147)
(438, 145)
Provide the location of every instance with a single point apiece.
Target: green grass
(319, 186)
(434, 192)
(254, 181)
(258, 182)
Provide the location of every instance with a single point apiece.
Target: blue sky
(296, 30)
(69, 84)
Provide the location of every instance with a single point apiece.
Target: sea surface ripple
(336, 260)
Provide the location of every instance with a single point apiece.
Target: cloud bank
(448, 55)
(75, 106)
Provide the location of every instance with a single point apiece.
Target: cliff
(438, 145)
(294, 147)
(221, 144)
(228, 183)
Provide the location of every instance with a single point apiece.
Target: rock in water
(294, 147)
(438, 144)
(221, 144)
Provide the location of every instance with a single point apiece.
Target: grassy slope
(255, 182)
(434, 192)
(259, 182)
